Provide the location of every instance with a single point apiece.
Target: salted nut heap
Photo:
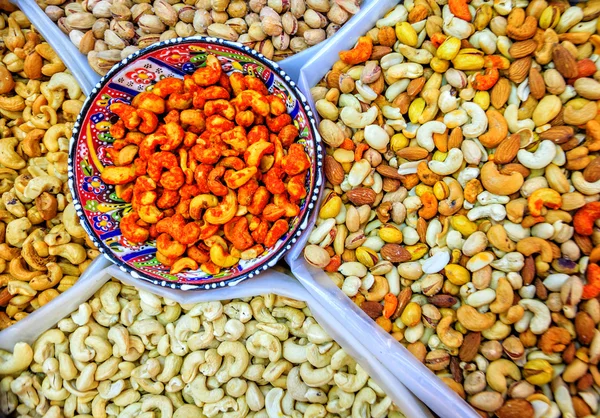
(128, 353)
(462, 196)
(43, 249)
(107, 31)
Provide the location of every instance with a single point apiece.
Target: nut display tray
(271, 282)
(87, 78)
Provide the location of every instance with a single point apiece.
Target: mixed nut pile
(109, 30)
(462, 194)
(193, 141)
(127, 352)
(43, 249)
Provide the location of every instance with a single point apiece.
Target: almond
(519, 69)
(391, 185)
(442, 301)
(558, 134)
(536, 84)
(565, 62)
(507, 150)
(361, 196)
(528, 271)
(413, 153)
(470, 347)
(523, 48)
(415, 86)
(389, 171)
(500, 93)
(584, 327)
(379, 51)
(584, 243)
(5, 297)
(455, 138)
(395, 253)
(373, 309)
(403, 299)
(333, 170)
(592, 171)
(516, 408)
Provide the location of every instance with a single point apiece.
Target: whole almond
(442, 301)
(403, 300)
(584, 327)
(395, 253)
(507, 150)
(415, 86)
(388, 171)
(455, 138)
(500, 92)
(536, 84)
(584, 243)
(519, 69)
(528, 271)
(413, 153)
(523, 48)
(516, 408)
(373, 309)
(380, 51)
(558, 134)
(361, 196)
(592, 171)
(470, 346)
(333, 170)
(565, 62)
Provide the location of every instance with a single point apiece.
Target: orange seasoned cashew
(296, 161)
(245, 118)
(220, 107)
(236, 138)
(278, 229)
(200, 203)
(149, 101)
(185, 263)
(593, 135)
(584, 219)
(232, 162)
(256, 151)
(224, 211)
(214, 185)
(360, 53)
(258, 133)
(193, 117)
(238, 233)
(149, 144)
(254, 100)
(543, 197)
(592, 289)
(119, 175)
(273, 180)
(174, 134)
(288, 134)
(296, 187)
(179, 101)
(236, 179)
(487, 80)
(198, 255)
(246, 192)
(168, 86)
(132, 231)
(430, 206)
(217, 124)
(159, 161)
(167, 199)
(220, 257)
(238, 82)
(259, 201)
(178, 229)
(209, 74)
(127, 114)
(173, 179)
(277, 105)
(531, 245)
(150, 213)
(460, 9)
(277, 123)
(169, 247)
(256, 84)
(272, 212)
(149, 121)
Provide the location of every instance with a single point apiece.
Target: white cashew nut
(426, 131)
(450, 165)
(541, 158)
(541, 315)
(479, 122)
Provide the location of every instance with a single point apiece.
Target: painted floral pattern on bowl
(97, 204)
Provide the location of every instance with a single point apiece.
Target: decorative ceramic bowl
(99, 208)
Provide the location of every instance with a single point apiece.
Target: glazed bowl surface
(98, 206)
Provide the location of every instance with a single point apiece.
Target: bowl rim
(311, 198)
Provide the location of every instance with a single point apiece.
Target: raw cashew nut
(541, 158)
(425, 134)
(354, 119)
(264, 345)
(450, 165)
(236, 350)
(315, 377)
(479, 121)
(8, 156)
(541, 315)
(18, 360)
(65, 81)
(351, 382)
(500, 184)
(583, 186)
(40, 184)
(498, 370)
(363, 399)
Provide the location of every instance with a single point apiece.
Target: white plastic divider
(75, 61)
(30, 327)
(270, 281)
(87, 78)
(394, 356)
